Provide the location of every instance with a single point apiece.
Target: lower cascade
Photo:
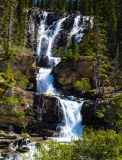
(71, 123)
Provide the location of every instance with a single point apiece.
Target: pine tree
(70, 6)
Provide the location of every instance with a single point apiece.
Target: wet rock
(68, 71)
(43, 61)
(60, 40)
(23, 149)
(45, 137)
(21, 141)
(47, 132)
(89, 116)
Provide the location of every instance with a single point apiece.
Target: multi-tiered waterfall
(71, 123)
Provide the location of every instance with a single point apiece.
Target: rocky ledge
(69, 71)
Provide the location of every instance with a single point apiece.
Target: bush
(113, 113)
(19, 114)
(54, 151)
(98, 145)
(94, 145)
(8, 77)
(83, 85)
(21, 80)
(10, 102)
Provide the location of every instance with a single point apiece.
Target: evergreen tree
(70, 6)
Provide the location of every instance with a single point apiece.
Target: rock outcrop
(41, 112)
(68, 71)
(89, 116)
(24, 63)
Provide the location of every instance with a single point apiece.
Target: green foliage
(101, 113)
(83, 85)
(98, 145)
(71, 51)
(8, 77)
(24, 135)
(11, 102)
(9, 53)
(113, 113)
(19, 50)
(20, 114)
(21, 80)
(54, 150)
(1, 90)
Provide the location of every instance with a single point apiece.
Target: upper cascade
(53, 36)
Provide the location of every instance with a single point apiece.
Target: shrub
(98, 145)
(10, 102)
(19, 114)
(21, 80)
(94, 145)
(8, 77)
(83, 85)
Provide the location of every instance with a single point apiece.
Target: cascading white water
(45, 82)
(47, 37)
(76, 26)
(77, 29)
(71, 123)
(42, 33)
(54, 33)
(27, 156)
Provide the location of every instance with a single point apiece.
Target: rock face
(25, 104)
(41, 112)
(68, 71)
(48, 112)
(89, 116)
(24, 63)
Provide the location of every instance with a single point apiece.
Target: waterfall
(46, 39)
(71, 123)
(76, 26)
(45, 82)
(42, 34)
(54, 33)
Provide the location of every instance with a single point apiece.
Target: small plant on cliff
(11, 102)
(20, 114)
(83, 85)
(8, 77)
(21, 80)
(24, 133)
